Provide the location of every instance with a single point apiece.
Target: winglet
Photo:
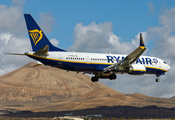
(141, 41)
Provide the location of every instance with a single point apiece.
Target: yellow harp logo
(36, 35)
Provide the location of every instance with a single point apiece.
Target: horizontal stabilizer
(42, 51)
(13, 54)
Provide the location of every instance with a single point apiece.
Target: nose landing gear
(157, 79)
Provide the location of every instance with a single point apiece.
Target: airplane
(98, 64)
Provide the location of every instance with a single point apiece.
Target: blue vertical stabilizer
(37, 36)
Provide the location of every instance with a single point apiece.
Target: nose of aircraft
(168, 67)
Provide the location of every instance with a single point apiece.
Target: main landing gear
(157, 79)
(112, 76)
(96, 78)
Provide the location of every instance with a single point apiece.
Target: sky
(99, 26)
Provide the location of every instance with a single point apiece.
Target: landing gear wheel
(94, 79)
(157, 79)
(113, 76)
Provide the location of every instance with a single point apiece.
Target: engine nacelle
(136, 69)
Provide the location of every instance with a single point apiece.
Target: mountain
(36, 87)
(173, 98)
(30, 83)
(44, 88)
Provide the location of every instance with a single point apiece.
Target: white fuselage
(96, 62)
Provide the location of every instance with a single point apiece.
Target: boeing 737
(100, 65)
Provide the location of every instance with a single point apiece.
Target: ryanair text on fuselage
(112, 59)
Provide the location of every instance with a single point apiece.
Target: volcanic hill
(30, 83)
(44, 88)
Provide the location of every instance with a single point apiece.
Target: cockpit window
(164, 62)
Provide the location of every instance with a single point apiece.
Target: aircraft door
(60, 58)
(87, 59)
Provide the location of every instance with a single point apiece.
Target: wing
(128, 60)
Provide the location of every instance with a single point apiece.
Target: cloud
(54, 42)
(166, 25)
(12, 20)
(100, 38)
(163, 36)
(47, 22)
(164, 47)
(11, 44)
(150, 5)
(18, 2)
(92, 37)
(12, 35)
(12, 29)
(151, 8)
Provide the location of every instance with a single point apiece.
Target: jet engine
(136, 69)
